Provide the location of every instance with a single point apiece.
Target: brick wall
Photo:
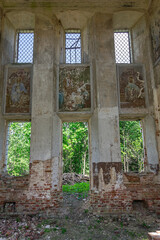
(136, 187)
(30, 194)
(34, 193)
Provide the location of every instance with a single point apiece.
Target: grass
(76, 188)
(63, 230)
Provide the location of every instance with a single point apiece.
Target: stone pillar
(142, 54)
(46, 129)
(150, 143)
(106, 167)
(7, 56)
(154, 19)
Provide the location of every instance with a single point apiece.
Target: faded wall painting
(155, 34)
(74, 88)
(17, 89)
(131, 85)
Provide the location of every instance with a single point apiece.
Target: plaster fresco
(132, 86)
(17, 93)
(74, 88)
(155, 35)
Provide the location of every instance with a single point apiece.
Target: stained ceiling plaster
(108, 5)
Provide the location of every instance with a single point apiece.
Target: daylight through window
(122, 46)
(18, 148)
(75, 148)
(25, 42)
(75, 158)
(73, 46)
(132, 149)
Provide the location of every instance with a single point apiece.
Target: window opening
(25, 42)
(122, 46)
(75, 157)
(18, 148)
(132, 148)
(73, 46)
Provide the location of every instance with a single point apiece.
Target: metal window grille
(25, 41)
(73, 46)
(122, 47)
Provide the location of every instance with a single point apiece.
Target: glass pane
(25, 47)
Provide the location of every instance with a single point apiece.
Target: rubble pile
(72, 178)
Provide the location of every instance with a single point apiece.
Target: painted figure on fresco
(133, 91)
(18, 90)
(132, 87)
(141, 85)
(74, 89)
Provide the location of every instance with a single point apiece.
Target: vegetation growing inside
(76, 188)
(75, 147)
(131, 142)
(82, 189)
(18, 154)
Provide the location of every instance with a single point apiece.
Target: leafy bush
(131, 142)
(18, 155)
(75, 147)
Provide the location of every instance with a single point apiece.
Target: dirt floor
(75, 221)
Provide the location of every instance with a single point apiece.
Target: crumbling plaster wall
(7, 56)
(44, 119)
(154, 19)
(41, 190)
(111, 190)
(106, 168)
(142, 53)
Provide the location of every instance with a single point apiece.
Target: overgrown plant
(131, 142)
(75, 147)
(18, 155)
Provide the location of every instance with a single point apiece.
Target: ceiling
(92, 5)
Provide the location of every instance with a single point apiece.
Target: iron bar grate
(25, 42)
(122, 47)
(73, 46)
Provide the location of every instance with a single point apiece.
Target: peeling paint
(74, 89)
(106, 175)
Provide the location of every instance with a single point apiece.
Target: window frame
(73, 31)
(130, 44)
(140, 120)
(6, 142)
(17, 44)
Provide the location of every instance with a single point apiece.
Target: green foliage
(18, 148)
(131, 142)
(75, 147)
(76, 188)
(63, 230)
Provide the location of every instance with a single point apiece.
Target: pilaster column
(104, 124)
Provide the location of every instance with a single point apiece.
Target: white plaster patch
(36, 195)
(119, 182)
(116, 181)
(55, 171)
